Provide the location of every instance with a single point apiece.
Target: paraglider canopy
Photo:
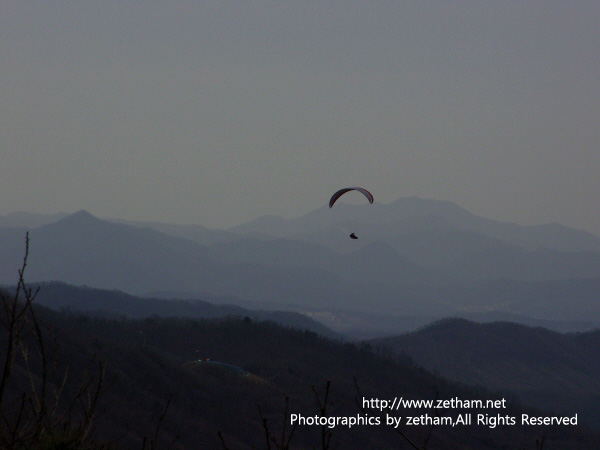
(341, 192)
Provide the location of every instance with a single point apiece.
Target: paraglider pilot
(341, 192)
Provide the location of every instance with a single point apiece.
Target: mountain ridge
(531, 236)
(543, 367)
(459, 271)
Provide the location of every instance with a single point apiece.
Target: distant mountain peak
(82, 213)
(80, 220)
(81, 216)
(427, 206)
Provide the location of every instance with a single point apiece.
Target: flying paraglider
(341, 192)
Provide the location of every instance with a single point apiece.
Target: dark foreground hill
(149, 364)
(542, 367)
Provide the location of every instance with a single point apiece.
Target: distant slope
(61, 296)
(411, 259)
(84, 250)
(416, 213)
(375, 262)
(372, 325)
(29, 220)
(544, 367)
(442, 236)
(193, 232)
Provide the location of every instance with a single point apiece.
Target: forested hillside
(150, 372)
(557, 371)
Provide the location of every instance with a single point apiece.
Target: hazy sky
(216, 112)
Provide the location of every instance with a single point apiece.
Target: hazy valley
(149, 299)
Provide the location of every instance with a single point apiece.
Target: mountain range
(414, 259)
(151, 301)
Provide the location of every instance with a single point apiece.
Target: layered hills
(541, 367)
(415, 258)
(279, 300)
(156, 389)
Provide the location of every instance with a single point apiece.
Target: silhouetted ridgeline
(560, 372)
(147, 363)
(61, 296)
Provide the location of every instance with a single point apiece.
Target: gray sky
(216, 112)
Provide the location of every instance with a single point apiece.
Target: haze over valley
(299, 225)
(417, 260)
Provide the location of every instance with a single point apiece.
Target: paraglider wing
(341, 192)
